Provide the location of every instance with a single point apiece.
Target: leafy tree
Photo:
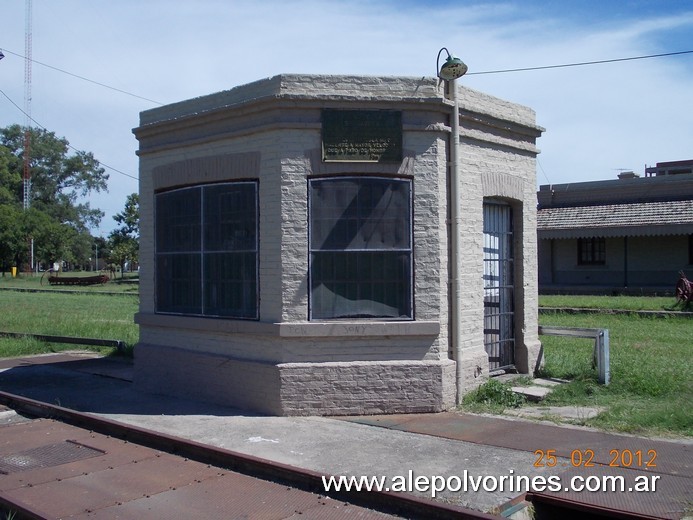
(58, 220)
(58, 180)
(10, 181)
(124, 240)
(52, 240)
(82, 251)
(122, 253)
(101, 252)
(129, 219)
(11, 238)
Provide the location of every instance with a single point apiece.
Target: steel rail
(48, 338)
(400, 504)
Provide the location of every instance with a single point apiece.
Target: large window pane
(230, 285)
(178, 220)
(360, 214)
(361, 285)
(217, 276)
(178, 288)
(361, 265)
(230, 217)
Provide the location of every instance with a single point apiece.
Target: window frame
(408, 251)
(591, 251)
(203, 256)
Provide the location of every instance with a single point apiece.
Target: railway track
(56, 463)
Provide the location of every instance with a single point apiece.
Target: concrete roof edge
(343, 87)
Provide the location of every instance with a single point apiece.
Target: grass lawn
(651, 383)
(651, 361)
(651, 357)
(630, 303)
(76, 313)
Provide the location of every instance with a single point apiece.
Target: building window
(591, 251)
(360, 248)
(207, 250)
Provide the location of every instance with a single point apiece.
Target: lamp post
(452, 69)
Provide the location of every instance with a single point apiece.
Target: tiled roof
(636, 219)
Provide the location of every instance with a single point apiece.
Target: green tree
(58, 180)
(12, 240)
(10, 181)
(101, 252)
(82, 251)
(58, 219)
(122, 253)
(129, 219)
(124, 240)
(53, 240)
(20, 228)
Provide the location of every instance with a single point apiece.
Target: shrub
(495, 393)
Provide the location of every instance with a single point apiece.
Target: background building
(630, 235)
(295, 245)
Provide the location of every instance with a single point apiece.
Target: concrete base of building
(474, 370)
(291, 389)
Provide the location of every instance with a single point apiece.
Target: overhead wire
(580, 64)
(86, 79)
(577, 64)
(500, 71)
(68, 144)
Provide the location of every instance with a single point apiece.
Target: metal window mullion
(256, 188)
(202, 251)
(394, 250)
(217, 251)
(172, 253)
(410, 214)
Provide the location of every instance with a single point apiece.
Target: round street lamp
(453, 67)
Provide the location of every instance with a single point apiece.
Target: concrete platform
(443, 444)
(84, 474)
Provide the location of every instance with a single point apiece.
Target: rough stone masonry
(278, 357)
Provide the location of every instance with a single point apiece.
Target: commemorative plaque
(362, 135)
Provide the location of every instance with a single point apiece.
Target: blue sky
(598, 118)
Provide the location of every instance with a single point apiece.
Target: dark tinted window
(361, 251)
(206, 250)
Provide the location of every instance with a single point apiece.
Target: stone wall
(285, 364)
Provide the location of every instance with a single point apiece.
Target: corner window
(207, 251)
(591, 251)
(360, 248)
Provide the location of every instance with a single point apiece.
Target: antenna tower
(27, 105)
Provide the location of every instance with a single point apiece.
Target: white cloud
(598, 118)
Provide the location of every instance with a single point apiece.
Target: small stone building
(295, 245)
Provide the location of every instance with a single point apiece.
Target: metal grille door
(499, 328)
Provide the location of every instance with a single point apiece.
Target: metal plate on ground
(46, 456)
(615, 489)
(572, 447)
(237, 496)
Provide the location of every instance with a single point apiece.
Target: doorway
(499, 290)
